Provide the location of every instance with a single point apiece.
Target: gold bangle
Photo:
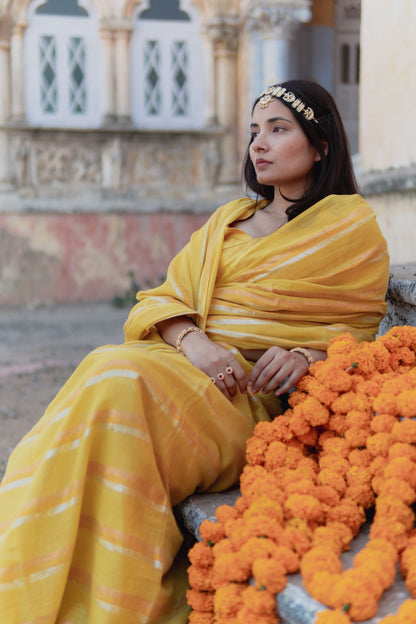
(183, 334)
(307, 354)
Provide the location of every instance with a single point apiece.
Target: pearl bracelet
(305, 353)
(183, 334)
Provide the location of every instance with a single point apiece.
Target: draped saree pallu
(87, 532)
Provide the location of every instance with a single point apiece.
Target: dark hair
(333, 173)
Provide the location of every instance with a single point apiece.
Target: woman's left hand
(275, 366)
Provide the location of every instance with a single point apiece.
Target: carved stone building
(123, 124)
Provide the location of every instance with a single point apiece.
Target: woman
(87, 529)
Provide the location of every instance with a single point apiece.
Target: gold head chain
(289, 97)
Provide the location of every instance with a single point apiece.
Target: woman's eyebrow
(271, 120)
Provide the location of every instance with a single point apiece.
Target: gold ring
(229, 370)
(220, 376)
(212, 379)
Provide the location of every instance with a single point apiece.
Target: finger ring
(220, 376)
(212, 379)
(229, 370)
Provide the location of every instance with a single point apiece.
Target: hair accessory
(220, 376)
(281, 92)
(229, 370)
(304, 352)
(212, 379)
(183, 334)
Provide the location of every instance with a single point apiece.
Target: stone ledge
(397, 179)
(294, 605)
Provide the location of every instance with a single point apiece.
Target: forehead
(275, 108)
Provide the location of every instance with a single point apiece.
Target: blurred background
(123, 125)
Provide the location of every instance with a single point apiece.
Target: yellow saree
(87, 532)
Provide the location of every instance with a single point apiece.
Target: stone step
(294, 605)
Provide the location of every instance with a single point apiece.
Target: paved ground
(39, 349)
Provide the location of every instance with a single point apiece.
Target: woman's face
(280, 152)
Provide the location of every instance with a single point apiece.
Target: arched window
(166, 67)
(62, 76)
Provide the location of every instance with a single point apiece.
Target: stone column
(4, 114)
(107, 41)
(224, 31)
(122, 72)
(276, 22)
(17, 74)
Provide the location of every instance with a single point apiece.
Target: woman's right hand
(215, 361)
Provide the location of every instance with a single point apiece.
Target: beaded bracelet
(183, 334)
(304, 352)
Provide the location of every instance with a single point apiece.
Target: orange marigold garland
(346, 443)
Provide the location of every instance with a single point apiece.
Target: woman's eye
(277, 129)
(253, 135)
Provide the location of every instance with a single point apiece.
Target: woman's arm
(209, 357)
(278, 369)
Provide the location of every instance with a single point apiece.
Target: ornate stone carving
(224, 32)
(60, 164)
(265, 16)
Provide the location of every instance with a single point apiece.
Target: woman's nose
(258, 143)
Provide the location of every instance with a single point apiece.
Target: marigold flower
(356, 436)
(265, 506)
(408, 610)
(401, 468)
(379, 443)
(224, 513)
(229, 567)
(389, 341)
(393, 532)
(396, 384)
(335, 537)
(368, 387)
(200, 601)
(390, 507)
(337, 423)
(406, 403)
(334, 462)
(201, 555)
(327, 495)
(377, 564)
(410, 582)
(361, 494)
(255, 449)
(385, 403)
(319, 559)
(295, 539)
(304, 486)
(341, 346)
(281, 428)
(360, 457)
(406, 356)
(383, 545)
(317, 389)
(257, 548)
(377, 465)
(358, 474)
(201, 617)
(398, 488)
(320, 586)
(402, 449)
(405, 431)
(383, 423)
(271, 574)
(246, 616)
(333, 479)
(364, 359)
(296, 397)
(211, 532)
(200, 578)
(333, 377)
(310, 438)
(288, 558)
(314, 412)
(348, 512)
(259, 601)
(360, 591)
(304, 506)
(337, 616)
(228, 599)
(343, 403)
(336, 446)
(298, 422)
